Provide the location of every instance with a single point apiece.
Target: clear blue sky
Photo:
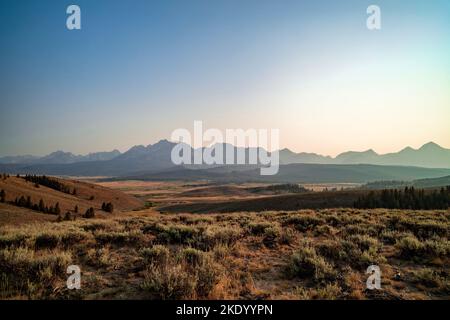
(140, 69)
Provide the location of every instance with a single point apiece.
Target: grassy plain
(297, 254)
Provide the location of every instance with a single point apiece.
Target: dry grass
(307, 254)
(17, 187)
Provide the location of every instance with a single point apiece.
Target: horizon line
(246, 147)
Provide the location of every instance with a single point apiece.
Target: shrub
(304, 223)
(422, 229)
(331, 291)
(13, 240)
(47, 240)
(258, 228)
(271, 235)
(99, 257)
(29, 273)
(362, 229)
(364, 242)
(116, 237)
(192, 256)
(410, 247)
(220, 252)
(207, 278)
(171, 283)
(107, 225)
(392, 236)
(219, 235)
(148, 204)
(175, 234)
(307, 263)
(323, 230)
(432, 279)
(155, 255)
(359, 255)
(74, 236)
(200, 238)
(287, 236)
(331, 249)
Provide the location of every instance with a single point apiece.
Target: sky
(137, 70)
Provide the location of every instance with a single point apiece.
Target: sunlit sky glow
(140, 69)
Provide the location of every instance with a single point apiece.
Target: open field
(258, 254)
(307, 200)
(305, 254)
(162, 193)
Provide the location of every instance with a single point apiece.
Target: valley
(204, 240)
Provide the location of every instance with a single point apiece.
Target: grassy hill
(15, 216)
(87, 195)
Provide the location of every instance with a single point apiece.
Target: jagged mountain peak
(161, 144)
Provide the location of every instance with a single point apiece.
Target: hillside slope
(17, 187)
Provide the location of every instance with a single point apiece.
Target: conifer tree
(41, 205)
(57, 210)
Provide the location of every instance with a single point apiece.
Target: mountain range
(430, 155)
(156, 158)
(60, 157)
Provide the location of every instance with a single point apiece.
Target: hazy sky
(140, 69)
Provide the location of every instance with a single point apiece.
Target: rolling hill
(87, 195)
(299, 173)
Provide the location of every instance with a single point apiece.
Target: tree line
(408, 198)
(26, 202)
(40, 207)
(50, 183)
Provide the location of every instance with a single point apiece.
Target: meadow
(302, 254)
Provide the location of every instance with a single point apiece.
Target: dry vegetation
(87, 194)
(306, 254)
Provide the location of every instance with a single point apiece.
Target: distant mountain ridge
(430, 155)
(157, 157)
(59, 157)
